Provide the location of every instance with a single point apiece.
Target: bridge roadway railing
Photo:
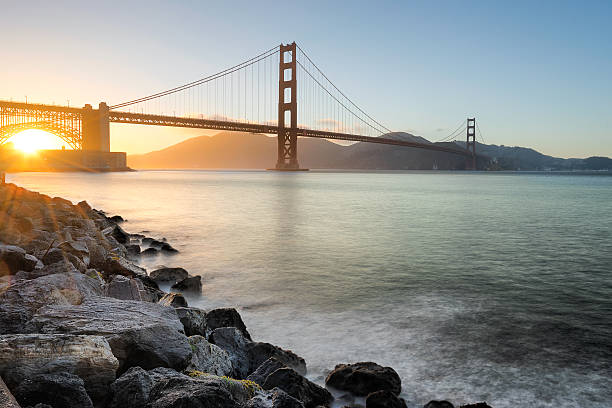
(157, 120)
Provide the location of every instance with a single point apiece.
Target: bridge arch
(68, 134)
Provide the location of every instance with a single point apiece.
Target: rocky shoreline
(83, 325)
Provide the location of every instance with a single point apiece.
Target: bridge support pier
(287, 109)
(470, 145)
(96, 129)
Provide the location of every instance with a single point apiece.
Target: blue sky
(536, 74)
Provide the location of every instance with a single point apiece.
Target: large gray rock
(235, 344)
(192, 284)
(208, 358)
(169, 275)
(364, 378)
(58, 267)
(61, 390)
(14, 258)
(275, 398)
(124, 288)
(6, 398)
(165, 388)
(139, 333)
(260, 352)
(264, 370)
(117, 233)
(225, 317)
(194, 321)
(23, 356)
(438, 404)
(117, 265)
(23, 298)
(173, 300)
(384, 399)
(298, 387)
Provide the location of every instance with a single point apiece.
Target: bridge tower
(470, 144)
(96, 129)
(287, 109)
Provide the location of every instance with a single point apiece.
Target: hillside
(230, 150)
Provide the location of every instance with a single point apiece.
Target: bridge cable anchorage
(209, 78)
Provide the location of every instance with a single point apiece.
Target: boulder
(116, 219)
(6, 398)
(194, 320)
(261, 352)
(364, 378)
(191, 284)
(58, 267)
(235, 344)
(169, 275)
(117, 265)
(384, 399)
(438, 404)
(208, 358)
(264, 370)
(24, 356)
(298, 387)
(52, 256)
(166, 247)
(61, 390)
(173, 300)
(133, 249)
(117, 233)
(476, 405)
(139, 333)
(154, 294)
(76, 248)
(165, 388)
(150, 251)
(14, 258)
(225, 317)
(124, 288)
(20, 300)
(275, 398)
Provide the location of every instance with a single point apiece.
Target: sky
(534, 74)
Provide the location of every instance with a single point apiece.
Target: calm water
(473, 287)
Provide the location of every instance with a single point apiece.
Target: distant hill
(231, 150)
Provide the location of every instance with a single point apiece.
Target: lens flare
(30, 141)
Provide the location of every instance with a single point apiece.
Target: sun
(30, 141)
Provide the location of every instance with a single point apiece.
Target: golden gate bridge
(259, 95)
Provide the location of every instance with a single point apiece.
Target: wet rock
(298, 387)
(225, 317)
(117, 233)
(208, 358)
(14, 258)
(384, 399)
(165, 247)
(62, 390)
(6, 398)
(476, 405)
(191, 284)
(275, 398)
(260, 352)
(115, 265)
(438, 404)
(235, 344)
(165, 388)
(154, 294)
(173, 300)
(124, 288)
(23, 356)
(139, 333)
(133, 249)
(116, 219)
(364, 378)
(169, 275)
(264, 370)
(194, 321)
(150, 251)
(22, 299)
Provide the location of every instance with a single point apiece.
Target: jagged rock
(298, 387)
(209, 358)
(154, 294)
(384, 399)
(476, 405)
(438, 404)
(14, 258)
(193, 319)
(52, 256)
(364, 378)
(169, 275)
(139, 333)
(58, 267)
(115, 265)
(62, 390)
(116, 219)
(76, 248)
(117, 233)
(124, 288)
(190, 284)
(23, 356)
(264, 370)
(173, 299)
(275, 398)
(235, 344)
(6, 398)
(133, 249)
(22, 299)
(225, 317)
(260, 352)
(150, 251)
(165, 388)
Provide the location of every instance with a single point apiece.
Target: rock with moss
(208, 358)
